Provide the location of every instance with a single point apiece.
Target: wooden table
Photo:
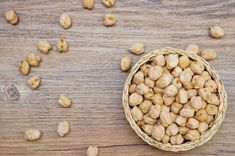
(89, 73)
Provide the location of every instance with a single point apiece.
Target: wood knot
(11, 92)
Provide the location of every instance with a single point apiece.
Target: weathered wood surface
(90, 74)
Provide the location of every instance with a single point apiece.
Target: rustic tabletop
(89, 73)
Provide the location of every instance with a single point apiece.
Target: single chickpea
(158, 90)
(88, 4)
(24, 67)
(165, 118)
(183, 96)
(168, 100)
(11, 17)
(201, 115)
(135, 99)
(145, 106)
(92, 151)
(192, 123)
(34, 82)
(192, 135)
(172, 129)
(33, 59)
(186, 76)
(148, 129)
(206, 75)
(150, 83)
(203, 126)
(157, 99)
(176, 82)
(187, 112)
(165, 108)
(142, 89)
(125, 64)
(188, 105)
(132, 88)
(181, 121)
(208, 54)
(184, 62)
(204, 93)
(137, 48)
(198, 81)
(140, 123)
(155, 111)
(63, 128)
(171, 90)
(138, 77)
(109, 20)
(172, 61)
(108, 3)
(165, 139)
(158, 132)
(163, 81)
(176, 107)
(65, 21)
(136, 113)
(196, 102)
(193, 48)
(32, 134)
(64, 101)
(159, 60)
(191, 93)
(62, 45)
(216, 31)
(204, 104)
(155, 72)
(145, 68)
(183, 130)
(44, 46)
(177, 139)
(197, 67)
(211, 109)
(149, 94)
(176, 72)
(148, 120)
(209, 119)
(211, 85)
(214, 100)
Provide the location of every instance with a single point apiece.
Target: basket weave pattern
(205, 136)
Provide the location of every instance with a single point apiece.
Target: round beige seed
(125, 63)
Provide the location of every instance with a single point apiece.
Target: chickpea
(24, 67)
(192, 123)
(214, 100)
(62, 45)
(208, 54)
(132, 88)
(150, 83)
(142, 89)
(206, 75)
(192, 135)
(172, 129)
(155, 111)
(92, 151)
(108, 3)
(186, 76)
(11, 17)
(197, 67)
(155, 72)
(165, 118)
(145, 68)
(168, 100)
(158, 90)
(177, 139)
(203, 126)
(183, 130)
(137, 48)
(125, 64)
(145, 106)
(172, 61)
(198, 82)
(88, 4)
(173, 116)
(176, 107)
(34, 82)
(201, 115)
(204, 104)
(65, 21)
(184, 62)
(176, 82)
(159, 60)
(211, 109)
(181, 121)
(157, 99)
(64, 101)
(188, 105)
(171, 90)
(209, 119)
(148, 120)
(33, 59)
(216, 31)
(149, 94)
(44, 46)
(158, 132)
(196, 102)
(136, 113)
(176, 72)
(63, 128)
(165, 108)
(109, 20)
(165, 139)
(211, 85)
(187, 112)
(32, 134)
(188, 85)
(204, 93)
(163, 81)
(135, 99)
(191, 93)
(148, 129)
(183, 96)
(193, 48)
(138, 77)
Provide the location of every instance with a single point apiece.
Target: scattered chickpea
(193, 48)
(62, 45)
(108, 3)
(92, 151)
(33, 59)
(44, 46)
(64, 101)
(125, 63)
(88, 4)
(11, 17)
(24, 67)
(137, 48)
(216, 31)
(65, 21)
(34, 82)
(109, 20)
(208, 54)
(63, 128)
(32, 134)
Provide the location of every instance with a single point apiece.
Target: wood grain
(89, 73)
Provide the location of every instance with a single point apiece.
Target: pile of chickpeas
(173, 99)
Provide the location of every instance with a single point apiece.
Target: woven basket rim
(204, 136)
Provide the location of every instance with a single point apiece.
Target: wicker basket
(213, 127)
